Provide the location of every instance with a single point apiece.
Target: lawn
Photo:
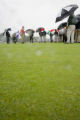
(40, 81)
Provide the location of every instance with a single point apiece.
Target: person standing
(14, 38)
(51, 35)
(64, 34)
(56, 36)
(22, 33)
(7, 37)
(77, 32)
(71, 28)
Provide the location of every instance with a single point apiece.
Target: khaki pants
(70, 33)
(22, 36)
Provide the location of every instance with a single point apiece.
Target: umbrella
(30, 31)
(62, 25)
(52, 31)
(9, 29)
(66, 11)
(41, 29)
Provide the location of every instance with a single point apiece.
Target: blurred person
(7, 37)
(42, 34)
(56, 36)
(14, 38)
(30, 32)
(77, 32)
(51, 37)
(63, 34)
(22, 33)
(51, 34)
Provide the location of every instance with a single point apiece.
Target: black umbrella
(66, 11)
(9, 29)
(30, 31)
(62, 25)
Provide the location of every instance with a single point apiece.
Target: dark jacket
(7, 34)
(72, 20)
(56, 33)
(78, 25)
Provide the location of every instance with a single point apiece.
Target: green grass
(40, 81)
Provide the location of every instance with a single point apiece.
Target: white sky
(31, 13)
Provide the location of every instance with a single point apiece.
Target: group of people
(15, 35)
(68, 34)
(71, 28)
(69, 31)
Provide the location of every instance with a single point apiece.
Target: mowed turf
(40, 81)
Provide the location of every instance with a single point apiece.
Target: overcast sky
(31, 13)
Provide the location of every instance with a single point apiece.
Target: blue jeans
(8, 40)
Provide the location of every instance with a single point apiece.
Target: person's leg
(40, 38)
(72, 34)
(63, 38)
(22, 38)
(72, 37)
(44, 38)
(30, 39)
(77, 34)
(7, 40)
(51, 38)
(60, 38)
(68, 34)
(57, 38)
